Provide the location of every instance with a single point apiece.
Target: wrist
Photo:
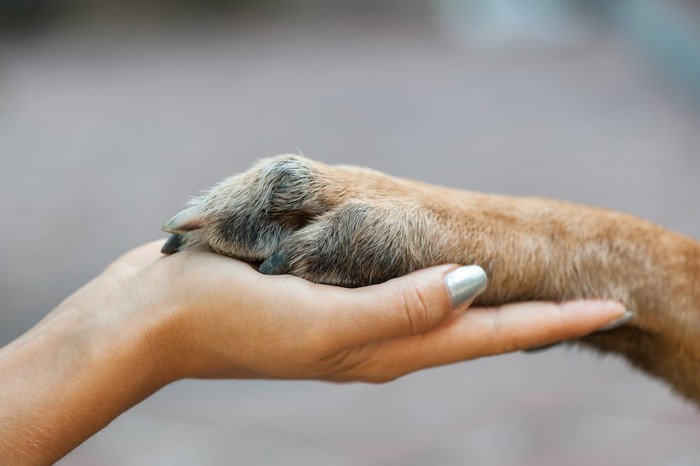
(87, 360)
(118, 331)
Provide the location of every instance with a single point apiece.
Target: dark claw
(276, 264)
(173, 244)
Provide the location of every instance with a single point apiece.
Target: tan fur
(352, 226)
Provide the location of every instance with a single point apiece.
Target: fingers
(405, 306)
(520, 326)
(491, 331)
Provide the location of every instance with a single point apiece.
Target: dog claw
(276, 264)
(184, 221)
(172, 245)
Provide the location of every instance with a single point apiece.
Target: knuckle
(419, 314)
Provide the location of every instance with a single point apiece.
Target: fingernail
(464, 284)
(626, 317)
(184, 221)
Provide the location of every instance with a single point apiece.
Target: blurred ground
(104, 135)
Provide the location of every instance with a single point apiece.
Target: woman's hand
(148, 320)
(223, 319)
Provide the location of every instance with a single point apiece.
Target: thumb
(407, 305)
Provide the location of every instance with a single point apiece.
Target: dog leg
(351, 226)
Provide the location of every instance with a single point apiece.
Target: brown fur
(352, 226)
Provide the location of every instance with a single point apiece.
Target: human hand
(223, 319)
(148, 320)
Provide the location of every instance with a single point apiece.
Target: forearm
(68, 378)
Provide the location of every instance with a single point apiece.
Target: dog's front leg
(545, 249)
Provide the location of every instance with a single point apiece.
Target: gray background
(107, 127)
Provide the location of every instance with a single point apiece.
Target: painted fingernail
(626, 317)
(465, 283)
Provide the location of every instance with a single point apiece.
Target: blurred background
(113, 113)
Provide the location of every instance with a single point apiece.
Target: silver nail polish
(465, 283)
(617, 322)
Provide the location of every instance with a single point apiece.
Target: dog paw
(336, 225)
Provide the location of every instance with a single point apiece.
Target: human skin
(149, 320)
